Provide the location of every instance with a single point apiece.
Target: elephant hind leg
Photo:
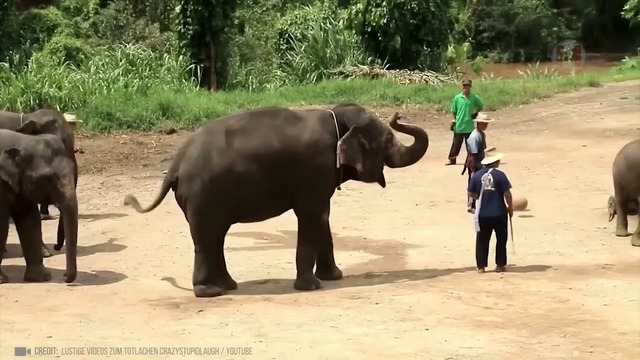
(635, 239)
(4, 232)
(210, 276)
(621, 209)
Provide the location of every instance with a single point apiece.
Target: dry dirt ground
(572, 290)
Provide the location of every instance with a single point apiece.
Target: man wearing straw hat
(476, 145)
(492, 189)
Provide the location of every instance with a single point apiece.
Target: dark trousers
(483, 237)
(456, 145)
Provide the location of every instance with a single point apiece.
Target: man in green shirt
(464, 108)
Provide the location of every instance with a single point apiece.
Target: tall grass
(328, 47)
(188, 110)
(128, 71)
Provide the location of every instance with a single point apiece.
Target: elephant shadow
(285, 286)
(386, 253)
(98, 217)
(15, 251)
(89, 217)
(15, 274)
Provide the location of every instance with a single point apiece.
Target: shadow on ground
(94, 278)
(15, 251)
(98, 217)
(285, 286)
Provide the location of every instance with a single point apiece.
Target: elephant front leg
(326, 268)
(310, 233)
(30, 233)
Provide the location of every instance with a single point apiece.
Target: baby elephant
(626, 182)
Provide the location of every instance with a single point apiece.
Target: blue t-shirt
(495, 185)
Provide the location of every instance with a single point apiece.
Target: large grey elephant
(36, 169)
(256, 165)
(626, 184)
(45, 121)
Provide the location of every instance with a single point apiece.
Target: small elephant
(36, 169)
(632, 207)
(256, 165)
(44, 121)
(626, 183)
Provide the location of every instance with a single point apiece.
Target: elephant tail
(167, 184)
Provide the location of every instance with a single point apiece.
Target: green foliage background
(96, 56)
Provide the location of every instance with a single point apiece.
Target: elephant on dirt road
(36, 169)
(256, 165)
(45, 121)
(626, 184)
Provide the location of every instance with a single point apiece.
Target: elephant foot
(228, 283)
(307, 283)
(330, 274)
(622, 232)
(635, 240)
(37, 274)
(208, 290)
(3, 278)
(46, 252)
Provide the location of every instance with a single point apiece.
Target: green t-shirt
(464, 108)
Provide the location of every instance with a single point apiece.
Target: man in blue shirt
(492, 188)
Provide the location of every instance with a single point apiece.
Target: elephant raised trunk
(68, 206)
(400, 155)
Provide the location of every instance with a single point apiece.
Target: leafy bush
(520, 29)
(630, 63)
(66, 48)
(296, 24)
(478, 64)
(116, 24)
(327, 46)
(37, 26)
(407, 34)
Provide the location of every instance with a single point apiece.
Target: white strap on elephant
(335, 121)
(476, 215)
(21, 115)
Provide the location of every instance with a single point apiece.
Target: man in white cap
(492, 189)
(476, 145)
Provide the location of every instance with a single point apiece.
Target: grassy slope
(119, 112)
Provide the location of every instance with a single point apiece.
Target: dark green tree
(405, 33)
(202, 25)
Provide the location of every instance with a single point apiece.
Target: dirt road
(410, 289)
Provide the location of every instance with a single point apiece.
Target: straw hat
(71, 118)
(490, 159)
(483, 118)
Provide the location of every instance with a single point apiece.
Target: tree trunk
(213, 80)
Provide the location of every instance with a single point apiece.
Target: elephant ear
(32, 127)
(9, 168)
(350, 149)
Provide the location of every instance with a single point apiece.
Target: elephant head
(39, 169)
(46, 121)
(369, 144)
